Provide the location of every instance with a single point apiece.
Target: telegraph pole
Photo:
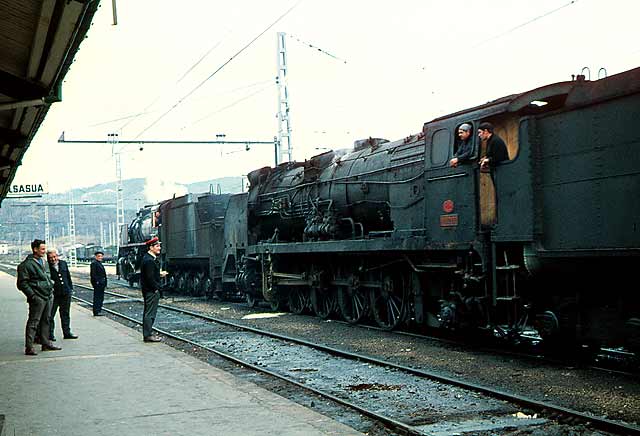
(284, 121)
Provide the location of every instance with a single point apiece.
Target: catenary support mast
(284, 146)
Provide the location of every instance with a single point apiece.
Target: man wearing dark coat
(496, 149)
(34, 281)
(150, 283)
(99, 282)
(62, 289)
(465, 147)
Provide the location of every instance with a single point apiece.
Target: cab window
(440, 143)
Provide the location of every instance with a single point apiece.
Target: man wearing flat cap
(150, 283)
(465, 147)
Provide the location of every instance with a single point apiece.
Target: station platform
(109, 382)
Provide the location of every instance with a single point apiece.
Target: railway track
(413, 423)
(610, 361)
(603, 360)
(400, 393)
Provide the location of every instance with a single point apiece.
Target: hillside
(24, 223)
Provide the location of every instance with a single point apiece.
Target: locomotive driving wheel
(322, 298)
(324, 301)
(189, 285)
(278, 305)
(298, 298)
(207, 287)
(196, 286)
(181, 282)
(251, 299)
(389, 301)
(353, 301)
(270, 289)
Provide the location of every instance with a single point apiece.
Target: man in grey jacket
(35, 282)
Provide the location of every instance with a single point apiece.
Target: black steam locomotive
(391, 232)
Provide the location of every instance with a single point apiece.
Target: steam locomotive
(390, 232)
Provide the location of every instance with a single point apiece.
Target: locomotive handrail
(449, 176)
(380, 182)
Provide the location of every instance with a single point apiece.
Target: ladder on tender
(506, 290)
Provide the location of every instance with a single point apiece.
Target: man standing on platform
(150, 283)
(62, 289)
(99, 282)
(34, 281)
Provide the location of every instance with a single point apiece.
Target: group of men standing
(48, 288)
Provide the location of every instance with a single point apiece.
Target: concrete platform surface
(109, 382)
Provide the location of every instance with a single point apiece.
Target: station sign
(27, 190)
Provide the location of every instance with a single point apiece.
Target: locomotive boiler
(336, 195)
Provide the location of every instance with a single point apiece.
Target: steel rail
(396, 425)
(535, 358)
(597, 422)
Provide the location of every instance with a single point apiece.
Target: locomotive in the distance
(191, 229)
(390, 231)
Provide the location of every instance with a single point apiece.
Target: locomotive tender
(191, 228)
(389, 230)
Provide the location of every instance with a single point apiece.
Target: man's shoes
(71, 336)
(98, 314)
(30, 352)
(153, 338)
(50, 347)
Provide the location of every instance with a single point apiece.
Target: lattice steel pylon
(113, 139)
(73, 256)
(284, 146)
(101, 234)
(46, 226)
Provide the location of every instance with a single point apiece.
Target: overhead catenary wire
(249, 44)
(526, 23)
(230, 105)
(315, 48)
(185, 74)
(126, 117)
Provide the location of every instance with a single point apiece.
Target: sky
(356, 68)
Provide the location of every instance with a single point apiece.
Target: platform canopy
(38, 41)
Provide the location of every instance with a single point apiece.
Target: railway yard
(443, 243)
(381, 382)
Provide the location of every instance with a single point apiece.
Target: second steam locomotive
(389, 231)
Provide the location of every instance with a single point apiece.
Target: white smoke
(156, 190)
